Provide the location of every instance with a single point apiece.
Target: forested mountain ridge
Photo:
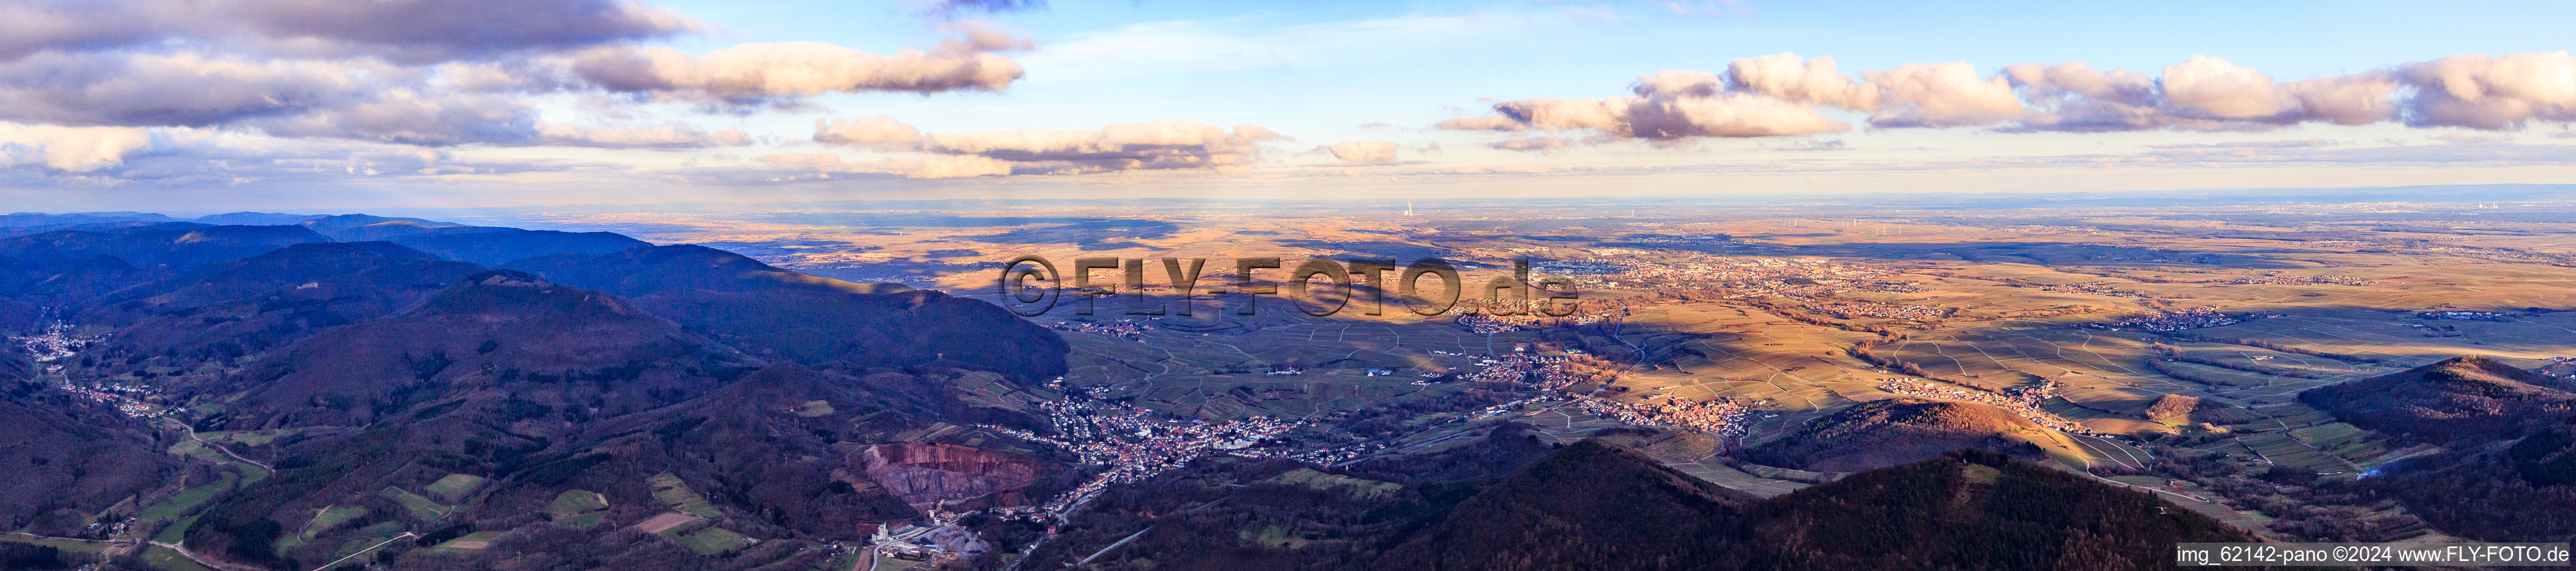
(267, 397)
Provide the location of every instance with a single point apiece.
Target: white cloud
(875, 132)
(1118, 147)
(1486, 123)
(2225, 89)
(1662, 113)
(180, 89)
(1812, 81)
(171, 157)
(1781, 94)
(411, 31)
(428, 72)
(752, 73)
(1362, 152)
(69, 149)
(1122, 146)
(1942, 95)
(931, 167)
(675, 136)
(1539, 144)
(2480, 91)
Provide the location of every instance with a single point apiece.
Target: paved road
(364, 551)
(867, 560)
(182, 551)
(192, 435)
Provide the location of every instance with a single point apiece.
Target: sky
(212, 105)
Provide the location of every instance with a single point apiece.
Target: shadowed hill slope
(233, 308)
(1588, 506)
(2488, 492)
(26, 285)
(773, 438)
(1972, 509)
(69, 458)
(1510, 502)
(2461, 398)
(345, 227)
(178, 245)
(494, 330)
(1894, 431)
(496, 246)
(369, 386)
(1967, 509)
(15, 364)
(821, 322)
(678, 268)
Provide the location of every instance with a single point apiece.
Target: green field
(174, 532)
(378, 529)
(885, 563)
(1354, 486)
(166, 560)
(578, 508)
(68, 546)
(454, 488)
(671, 491)
(423, 509)
(1730, 477)
(2280, 448)
(330, 517)
(479, 536)
(714, 540)
(251, 474)
(187, 500)
(249, 437)
(284, 543)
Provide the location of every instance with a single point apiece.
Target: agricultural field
(578, 508)
(330, 517)
(453, 488)
(163, 559)
(473, 541)
(1321, 481)
(420, 508)
(713, 540)
(672, 492)
(68, 546)
(247, 437)
(188, 500)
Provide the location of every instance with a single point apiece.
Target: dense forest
(333, 380)
(2485, 492)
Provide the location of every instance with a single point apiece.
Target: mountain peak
(515, 295)
(1898, 430)
(2466, 397)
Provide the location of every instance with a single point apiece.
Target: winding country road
(182, 551)
(192, 435)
